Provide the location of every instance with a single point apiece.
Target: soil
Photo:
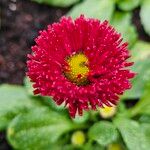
(20, 22)
(3, 143)
(137, 22)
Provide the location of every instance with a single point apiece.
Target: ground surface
(20, 22)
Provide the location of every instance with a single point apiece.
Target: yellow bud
(114, 146)
(11, 131)
(107, 112)
(78, 138)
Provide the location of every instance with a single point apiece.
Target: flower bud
(107, 112)
(78, 138)
(114, 146)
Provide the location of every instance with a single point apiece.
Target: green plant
(36, 123)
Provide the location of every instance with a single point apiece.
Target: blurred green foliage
(144, 14)
(132, 134)
(128, 5)
(103, 132)
(36, 123)
(140, 55)
(58, 3)
(122, 22)
(94, 9)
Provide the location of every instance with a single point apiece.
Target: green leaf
(144, 119)
(141, 51)
(143, 73)
(143, 105)
(10, 93)
(103, 132)
(121, 107)
(140, 55)
(132, 134)
(50, 102)
(122, 22)
(94, 8)
(47, 100)
(128, 5)
(146, 130)
(130, 35)
(28, 86)
(144, 15)
(59, 3)
(67, 147)
(38, 129)
(95, 146)
(13, 100)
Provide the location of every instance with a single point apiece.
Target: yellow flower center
(77, 69)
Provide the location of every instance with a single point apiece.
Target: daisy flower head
(82, 63)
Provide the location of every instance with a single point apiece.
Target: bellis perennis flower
(81, 62)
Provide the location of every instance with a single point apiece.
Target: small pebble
(12, 7)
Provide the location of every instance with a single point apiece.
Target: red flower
(80, 62)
